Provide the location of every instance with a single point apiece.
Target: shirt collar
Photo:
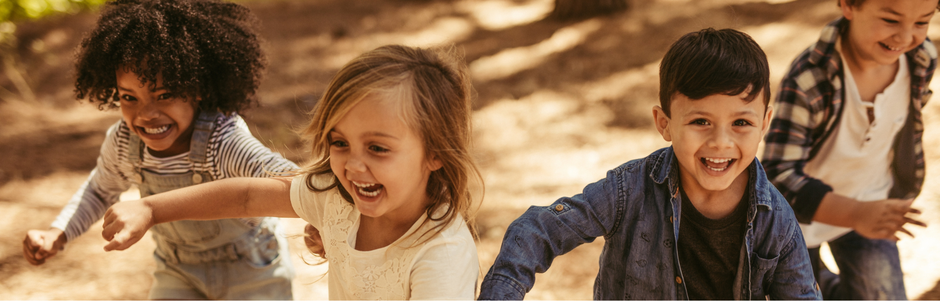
(665, 168)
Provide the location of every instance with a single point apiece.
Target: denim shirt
(636, 208)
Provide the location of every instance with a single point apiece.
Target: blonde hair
(434, 87)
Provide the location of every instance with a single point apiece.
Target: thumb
(117, 242)
(47, 246)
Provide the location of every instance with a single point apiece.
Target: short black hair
(202, 48)
(709, 62)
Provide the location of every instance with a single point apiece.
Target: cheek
(337, 165)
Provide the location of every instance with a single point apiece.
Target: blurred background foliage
(12, 11)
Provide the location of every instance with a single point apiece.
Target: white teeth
(717, 160)
(362, 185)
(716, 169)
(370, 194)
(361, 189)
(889, 47)
(159, 130)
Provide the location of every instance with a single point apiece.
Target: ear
(434, 163)
(847, 10)
(765, 125)
(662, 122)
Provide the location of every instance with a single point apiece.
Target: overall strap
(199, 145)
(135, 153)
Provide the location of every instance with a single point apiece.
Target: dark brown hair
(709, 62)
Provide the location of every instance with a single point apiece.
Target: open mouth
(368, 189)
(155, 130)
(717, 164)
(887, 47)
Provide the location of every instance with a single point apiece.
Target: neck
(716, 204)
(381, 231)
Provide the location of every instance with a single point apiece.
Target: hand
(313, 241)
(125, 223)
(884, 219)
(42, 244)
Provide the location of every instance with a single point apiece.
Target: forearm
(226, 198)
(836, 210)
(87, 205)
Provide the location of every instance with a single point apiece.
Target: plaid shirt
(808, 107)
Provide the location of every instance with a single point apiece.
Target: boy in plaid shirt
(845, 147)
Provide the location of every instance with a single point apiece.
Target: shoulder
(817, 64)
(311, 204)
(227, 125)
(453, 242)
(923, 57)
(117, 141)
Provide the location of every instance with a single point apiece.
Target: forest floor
(558, 104)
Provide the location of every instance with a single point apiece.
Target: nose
(354, 163)
(904, 36)
(721, 138)
(148, 110)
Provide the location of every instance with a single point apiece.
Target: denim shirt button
(670, 220)
(678, 280)
(559, 207)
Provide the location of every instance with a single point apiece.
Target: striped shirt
(808, 108)
(232, 152)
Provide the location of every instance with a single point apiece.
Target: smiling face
(714, 138)
(380, 160)
(882, 30)
(162, 120)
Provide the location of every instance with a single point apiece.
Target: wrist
(59, 236)
(151, 213)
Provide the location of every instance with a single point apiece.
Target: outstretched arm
(126, 222)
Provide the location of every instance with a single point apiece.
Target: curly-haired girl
(180, 71)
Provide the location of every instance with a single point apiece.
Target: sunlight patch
(514, 60)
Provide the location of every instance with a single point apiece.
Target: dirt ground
(559, 104)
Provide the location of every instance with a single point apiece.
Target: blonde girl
(388, 187)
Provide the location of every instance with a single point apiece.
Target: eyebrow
(370, 134)
(739, 113)
(129, 90)
(891, 11)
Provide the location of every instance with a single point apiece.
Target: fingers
(905, 232)
(30, 248)
(120, 242)
(915, 222)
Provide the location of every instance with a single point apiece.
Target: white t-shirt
(445, 267)
(856, 159)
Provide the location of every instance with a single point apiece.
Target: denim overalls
(217, 259)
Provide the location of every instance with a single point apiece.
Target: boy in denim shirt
(845, 148)
(698, 220)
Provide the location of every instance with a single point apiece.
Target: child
(737, 238)
(180, 71)
(845, 148)
(388, 189)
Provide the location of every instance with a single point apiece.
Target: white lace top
(445, 267)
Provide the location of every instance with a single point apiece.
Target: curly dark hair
(202, 48)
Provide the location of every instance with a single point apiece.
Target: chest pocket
(762, 272)
(179, 232)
